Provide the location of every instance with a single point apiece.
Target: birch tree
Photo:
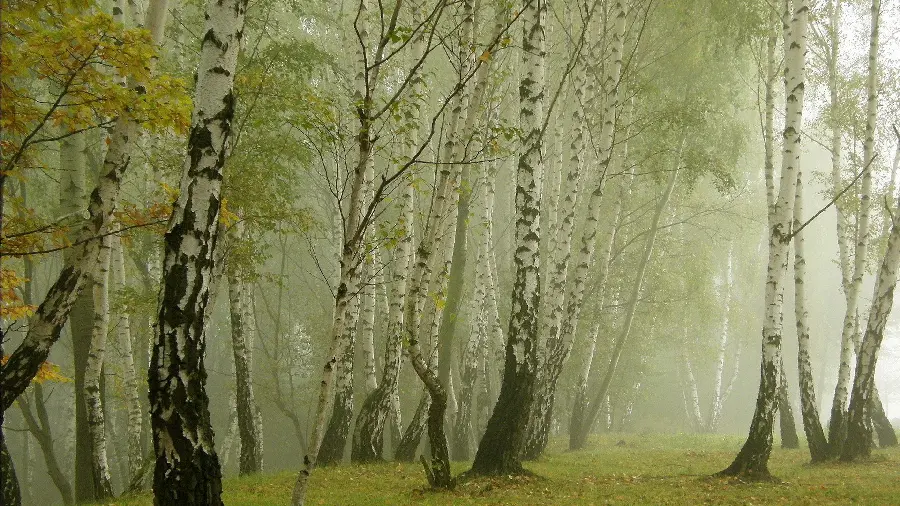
(93, 372)
(837, 424)
(859, 431)
(809, 407)
(752, 460)
(500, 449)
(187, 469)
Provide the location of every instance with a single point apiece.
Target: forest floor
(625, 469)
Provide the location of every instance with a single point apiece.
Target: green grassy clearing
(647, 469)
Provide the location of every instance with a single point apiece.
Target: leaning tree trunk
(631, 305)
(335, 439)
(884, 429)
(500, 451)
(812, 426)
(39, 425)
(93, 375)
(348, 280)
(187, 469)
(9, 484)
(715, 412)
(864, 394)
(561, 344)
(455, 152)
(38, 421)
(248, 417)
(578, 437)
(859, 432)
(752, 461)
(837, 426)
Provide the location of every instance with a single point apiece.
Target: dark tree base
(412, 436)
(747, 473)
(837, 433)
(882, 425)
(11, 495)
(438, 473)
(368, 435)
(335, 441)
(194, 483)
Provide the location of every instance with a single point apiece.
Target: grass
(646, 469)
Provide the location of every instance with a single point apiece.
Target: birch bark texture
(752, 460)
(248, 416)
(500, 450)
(187, 470)
(812, 426)
(130, 383)
(93, 375)
(859, 431)
(368, 433)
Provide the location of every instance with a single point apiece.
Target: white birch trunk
(349, 266)
(752, 460)
(712, 422)
(45, 325)
(859, 431)
(129, 372)
(187, 468)
(585, 257)
(812, 426)
(248, 416)
(500, 449)
(93, 373)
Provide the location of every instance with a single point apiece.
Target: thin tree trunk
(368, 434)
(350, 261)
(560, 254)
(412, 436)
(39, 425)
(133, 409)
(715, 414)
(45, 325)
(691, 397)
(187, 469)
(786, 422)
(239, 294)
(812, 426)
(752, 461)
(579, 404)
(631, 305)
(334, 442)
(73, 160)
(858, 428)
(887, 436)
(93, 375)
(612, 92)
(231, 435)
(462, 423)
